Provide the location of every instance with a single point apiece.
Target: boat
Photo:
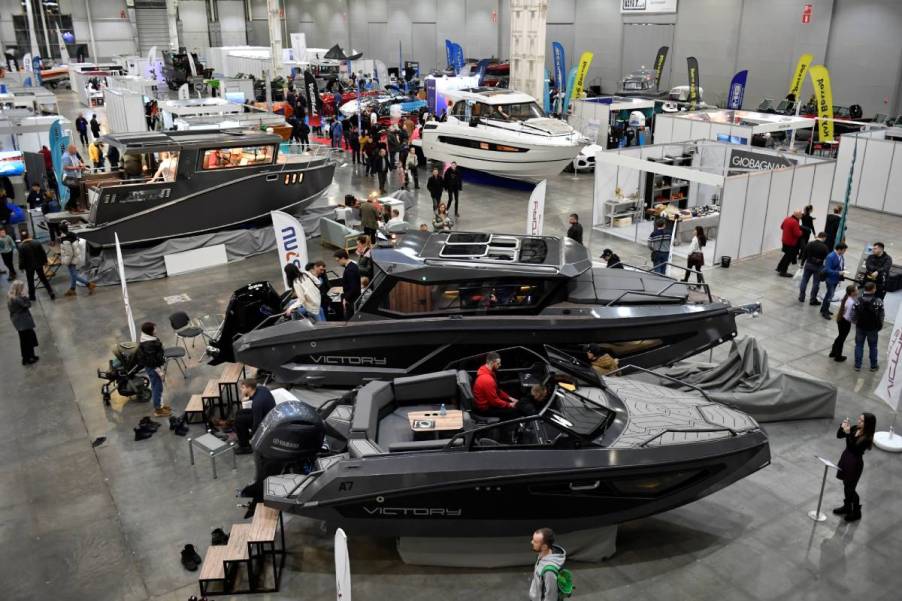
(501, 132)
(410, 457)
(182, 183)
(643, 82)
(382, 105)
(437, 297)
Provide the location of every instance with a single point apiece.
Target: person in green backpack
(550, 581)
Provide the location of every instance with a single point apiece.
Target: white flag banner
(290, 241)
(342, 567)
(890, 387)
(299, 46)
(128, 306)
(184, 92)
(64, 53)
(535, 214)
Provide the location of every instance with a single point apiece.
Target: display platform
(888, 441)
(592, 546)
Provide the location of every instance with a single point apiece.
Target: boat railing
(296, 153)
(660, 293)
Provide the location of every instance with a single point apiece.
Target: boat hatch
(494, 247)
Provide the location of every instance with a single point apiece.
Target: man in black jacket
(831, 227)
(32, 259)
(35, 198)
(257, 404)
(877, 267)
(575, 232)
(350, 282)
(816, 252)
(81, 126)
(436, 186)
(453, 185)
(379, 164)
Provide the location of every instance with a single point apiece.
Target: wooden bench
(212, 570)
(228, 382)
(210, 398)
(194, 408)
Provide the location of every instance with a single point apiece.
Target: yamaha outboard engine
(288, 439)
(247, 309)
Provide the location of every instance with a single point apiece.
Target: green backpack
(564, 581)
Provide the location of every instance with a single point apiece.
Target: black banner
(743, 161)
(660, 59)
(314, 104)
(692, 63)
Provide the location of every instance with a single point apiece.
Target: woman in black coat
(859, 439)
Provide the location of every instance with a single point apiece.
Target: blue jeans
(156, 386)
(860, 337)
(659, 259)
(807, 274)
(828, 296)
(74, 278)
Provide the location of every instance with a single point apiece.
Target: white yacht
(501, 132)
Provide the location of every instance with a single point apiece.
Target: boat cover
(745, 382)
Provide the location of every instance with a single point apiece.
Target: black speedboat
(435, 298)
(599, 452)
(182, 183)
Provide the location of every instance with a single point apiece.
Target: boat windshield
(518, 111)
(576, 413)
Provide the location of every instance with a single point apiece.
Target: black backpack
(869, 314)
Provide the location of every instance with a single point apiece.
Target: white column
(172, 11)
(275, 36)
(29, 12)
(91, 30)
(46, 32)
(527, 53)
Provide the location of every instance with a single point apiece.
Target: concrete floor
(80, 523)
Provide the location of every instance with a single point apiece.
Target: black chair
(176, 354)
(181, 323)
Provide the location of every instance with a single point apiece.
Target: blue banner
(480, 70)
(449, 53)
(547, 92)
(560, 65)
(737, 90)
(36, 66)
(458, 58)
(571, 81)
(58, 144)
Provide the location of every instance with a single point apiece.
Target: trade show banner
(381, 73)
(692, 64)
(742, 161)
(647, 6)
(585, 60)
(535, 215)
(737, 90)
(890, 387)
(128, 306)
(64, 53)
(560, 65)
(58, 144)
(571, 83)
(798, 77)
(290, 240)
(480, 70)
(314, 105)
(36, 67)
(823, 95)
(546, 92)
(449, 53)
(660, 59)
(342, 567)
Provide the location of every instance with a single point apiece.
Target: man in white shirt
(73, 169)
(395, 219)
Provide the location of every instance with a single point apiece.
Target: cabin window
(237, 156)
(413, 298)
(150, 166)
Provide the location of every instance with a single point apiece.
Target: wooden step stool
(267, 541)
(210, 398)
(195, 408)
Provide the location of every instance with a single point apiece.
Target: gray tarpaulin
(744, 381)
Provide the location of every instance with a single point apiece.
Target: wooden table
(452, 421)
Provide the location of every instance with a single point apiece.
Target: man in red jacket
(489, 400)
(792, 231)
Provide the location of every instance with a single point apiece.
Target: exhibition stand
(597, 117)
(877, 177)
(140, 85)
(124, 110)
(736, 127)
(739, 195)
(88, 80)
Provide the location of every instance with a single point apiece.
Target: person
(816, 253)
(318, 270)
(48, 159)
(72, 255)
(152, 359)
(867, 315)
(166, 170)
(32, 259)
(369, 216)
(364, 250)
(380, 165)
(112, 156)
(20, 314)
(696, 259)
(73, 169)
(35, 198)
(95, 127)
(51, 205)
(453, 184)
(602, 363)
(550, 561)
(365, 145)
(831, 227)
(792, 231)
(488, 399)
(442, 221)
(843, 322)
(353, 139)
(304, 132)
(337, 133)
(395, 219)
(424, 227)
(575, 231)
(305, 287)
(659, 244)
(859, 439)
(877, 267)
(393, 139)
(807, 225)
(435, 185)
(833, 272)
(611, 258)
(412, 171)
(256, 406)
(350, 282)
(95, 153)
(81, 125)
(7, 247)
(6, 212)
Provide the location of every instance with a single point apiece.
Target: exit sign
(806, 14)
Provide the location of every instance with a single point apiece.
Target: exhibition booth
(611, 121)
(88, 80)
(738, 195)
(877, 176)
(746, 128)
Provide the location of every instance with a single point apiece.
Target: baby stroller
(123, 375)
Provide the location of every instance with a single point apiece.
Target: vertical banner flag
(660, 59)
(449, 53)
(585, 60)
(36, 67)
(458, 58)
(890, 387)
(128, 307)
(342, 567)
(480, 70)
(692, 64)
(313, 101)
(64, 53)
(571, 83)
(798, 76)
(560, 65)
(823, 95)
(737, 90)
(58, 144)
(291, 242)
(381, 73)
(535, 214)
(547, 92)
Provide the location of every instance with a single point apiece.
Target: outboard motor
(289, 437)
(247, 309)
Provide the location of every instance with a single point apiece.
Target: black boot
(843, 509)
(854, 513)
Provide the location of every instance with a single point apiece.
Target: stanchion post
(816, 515)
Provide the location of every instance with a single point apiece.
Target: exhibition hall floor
(107, 523)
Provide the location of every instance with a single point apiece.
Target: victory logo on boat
(416, 512)
(349, 360)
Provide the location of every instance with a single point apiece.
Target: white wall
(194, 33)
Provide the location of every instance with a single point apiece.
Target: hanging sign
(648, 6)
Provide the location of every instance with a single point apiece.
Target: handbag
(697, 257)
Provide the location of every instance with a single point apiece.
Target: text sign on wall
(648, 6)
(742, 161)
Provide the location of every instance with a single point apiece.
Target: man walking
(81, 125)
(436, 186)
(258, 402)
(453, 185)
(792, 232)
(867, 316)
(95, 127)
(369, 218)
(575, 231)
(380, 166)
(659, 245)
(32, 259)
(550, 562)
(834, 270)
(816, 252)
(73, 169)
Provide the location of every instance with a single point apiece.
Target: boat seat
(441, 386)
(422, 445)
(466, 400)
(340, 419)
(372, 399)
(360, 448)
